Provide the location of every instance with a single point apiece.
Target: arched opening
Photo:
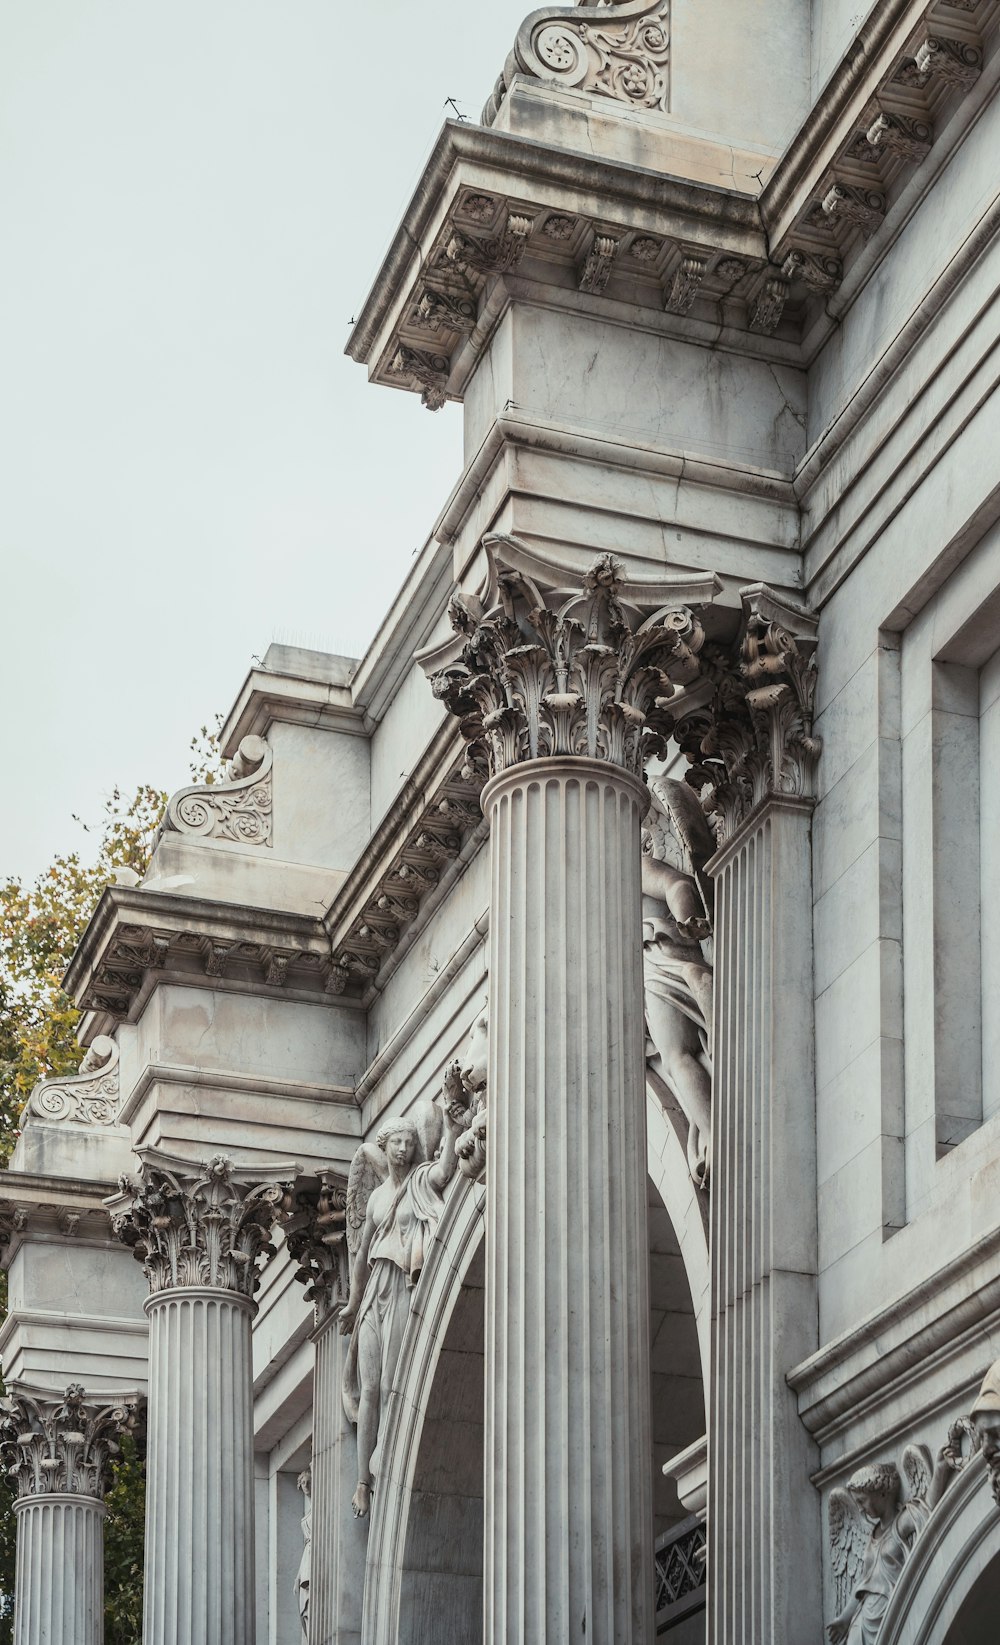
(439, 1573)
(978, 1618)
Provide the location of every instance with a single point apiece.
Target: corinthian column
(316, 1240)
(201, 1237)
(58, 1448)
(753, 757)
(555, 691)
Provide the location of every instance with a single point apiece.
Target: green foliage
(123, 1531)
(40, 926)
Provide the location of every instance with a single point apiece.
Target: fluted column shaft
(569, 1519)
(199, 1577)
(763, 1512)
(339, 1541)
(59, 1586)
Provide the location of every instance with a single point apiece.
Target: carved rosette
(90, 1097)
(237, 809)
(62, 1443)
(754, 740)
(315, 1234)
(568, 671)
(207, 1229)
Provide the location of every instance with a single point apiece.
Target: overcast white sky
(194, 198)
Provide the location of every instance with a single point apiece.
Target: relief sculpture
(676, 943)
(395, 1197)
(873, 1527)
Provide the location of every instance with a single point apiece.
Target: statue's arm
(359, 1273)
(445, 1166)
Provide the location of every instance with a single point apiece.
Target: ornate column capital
(753, 740)
(315, 1234)
(585, 668)
(63, 1443)
(206, 1227)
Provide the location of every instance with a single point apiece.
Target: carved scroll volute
(315, 1234)
(754, 739)
(90, 1097)
(621, 52)
(208, 1227)
(578, 670)
(63, 1442)
(236, 809)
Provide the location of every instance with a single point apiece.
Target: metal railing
(680, 1573)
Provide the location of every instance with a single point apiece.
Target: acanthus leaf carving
(768, 305)
(237, 809)
(625, 55)
(599, 262)
(436, 311)
(847, 203)
(63, 1443)
(315, 1234)
(495, 256)
(821, 274)
(426, 371)
(206, 1228)
(89, 1097)
(572, 671)
(685, 285)
(754, 739)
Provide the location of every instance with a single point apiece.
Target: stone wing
(848, 1541)
(369, 1167)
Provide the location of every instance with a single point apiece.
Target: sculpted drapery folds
(677, 904)
(395, 1197)
(874, 1524)
(986, 1422)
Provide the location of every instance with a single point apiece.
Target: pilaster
(316, 1240)
(753, 758)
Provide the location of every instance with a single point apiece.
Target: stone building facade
(552, 1085)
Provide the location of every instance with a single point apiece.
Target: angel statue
(676, 928)
(872, 1531)
(395, 1196)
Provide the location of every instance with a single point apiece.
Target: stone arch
(455, 1247)
(447, 1310)
(941, 1590)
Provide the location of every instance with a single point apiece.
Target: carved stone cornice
(135, 935)
(753, 740)
(576, 669)
(51, 1209)
(63, 1443)
(315, 1234)
(871, 127)
(620, 52)
(90, 1097)
(206, 1228)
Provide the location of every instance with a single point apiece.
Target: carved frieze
(569, 671)
(63, 1442)
(237, 809)
(205, 1228)
(90, 1097)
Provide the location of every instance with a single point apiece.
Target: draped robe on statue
(395, 1258)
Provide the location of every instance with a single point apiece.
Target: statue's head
(474, 1060)
(399, 1142)
(876, 1488)
(986, 1414)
